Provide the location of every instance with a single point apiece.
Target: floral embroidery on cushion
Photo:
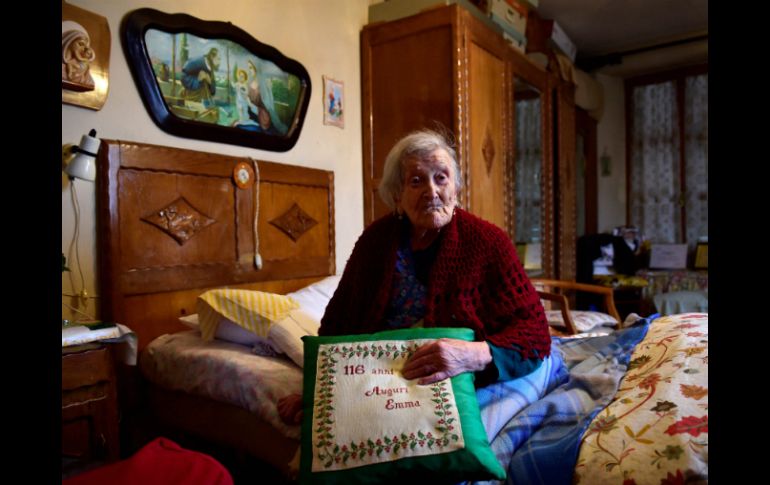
(402, 442)
(334, 362)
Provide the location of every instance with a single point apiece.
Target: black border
(133, 28)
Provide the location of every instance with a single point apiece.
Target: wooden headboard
(172, 223)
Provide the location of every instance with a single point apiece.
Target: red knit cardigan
(476, 281)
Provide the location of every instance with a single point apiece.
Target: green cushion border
(475, 462)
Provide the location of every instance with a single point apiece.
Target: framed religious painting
(85, 57)
(213, 81)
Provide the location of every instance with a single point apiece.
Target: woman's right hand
(290, 409)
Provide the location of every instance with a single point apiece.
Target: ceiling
(601, 29)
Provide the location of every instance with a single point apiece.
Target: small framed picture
(532, 257)
(702, 256)
(668, 256)
(334, 103)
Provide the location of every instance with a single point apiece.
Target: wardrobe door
(485, 171)
(529, 160)
(530, 201)
(565, 182)
(408, 72)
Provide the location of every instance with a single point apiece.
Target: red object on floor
(160, 462)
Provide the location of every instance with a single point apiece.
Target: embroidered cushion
(254, 311)
(585, 321)
(364, 423)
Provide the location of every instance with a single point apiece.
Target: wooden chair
(554, 291)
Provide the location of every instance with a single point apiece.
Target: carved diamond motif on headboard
(179, 220)
(294, 222)
(488, 150)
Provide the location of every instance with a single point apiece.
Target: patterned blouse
(407, 309)
(409, 289)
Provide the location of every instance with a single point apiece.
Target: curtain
(696, 155)
(528, 171)
(655, 181)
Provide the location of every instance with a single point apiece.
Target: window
(667, 123)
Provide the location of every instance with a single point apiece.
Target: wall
(323, 35)
(611, 138)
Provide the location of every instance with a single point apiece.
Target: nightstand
(89, 413)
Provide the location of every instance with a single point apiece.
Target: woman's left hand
(446, 358)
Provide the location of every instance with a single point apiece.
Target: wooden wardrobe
(445, 69)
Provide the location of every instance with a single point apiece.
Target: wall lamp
(83, 165)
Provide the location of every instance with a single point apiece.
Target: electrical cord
(257, 256)
(75, 242)
(90, 317)
(82, 294)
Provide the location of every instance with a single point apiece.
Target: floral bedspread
(655, 431)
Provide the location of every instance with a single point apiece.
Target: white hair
(420, 144)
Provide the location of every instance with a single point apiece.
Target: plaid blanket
(534, 423)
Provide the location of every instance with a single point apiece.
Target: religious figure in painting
(76, 58)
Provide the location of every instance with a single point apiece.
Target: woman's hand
(446, 358)
(290, 409)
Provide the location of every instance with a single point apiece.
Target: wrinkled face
(429, 195)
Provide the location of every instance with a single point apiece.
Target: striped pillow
(254, 311)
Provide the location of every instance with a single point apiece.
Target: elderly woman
(433, 264)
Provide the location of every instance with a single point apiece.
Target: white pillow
(286, 335)
(585, 321)
(232, 332)
(314, 298)
(191, 321)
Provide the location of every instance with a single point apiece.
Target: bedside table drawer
(90, 430)
(85, 394)
(85, 368)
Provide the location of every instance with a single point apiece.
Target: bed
(172, 223)
(630, 407)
